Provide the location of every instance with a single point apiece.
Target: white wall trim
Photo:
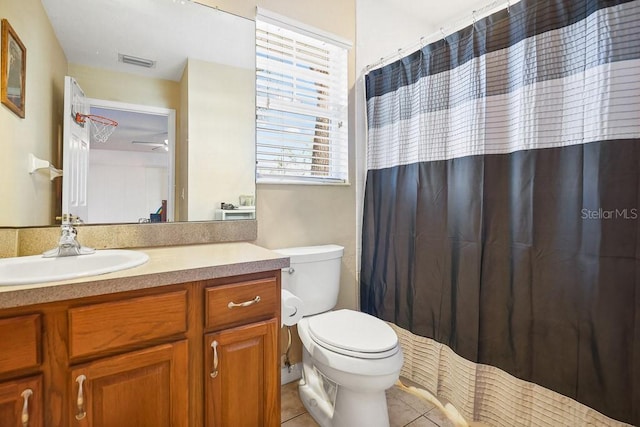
(288, 376)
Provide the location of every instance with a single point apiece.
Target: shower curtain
(502, 197)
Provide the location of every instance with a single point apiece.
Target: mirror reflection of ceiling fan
(157, 141)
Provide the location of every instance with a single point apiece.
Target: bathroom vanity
(188, 339)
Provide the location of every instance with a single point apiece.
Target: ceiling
(434, 15)
(389, 29)
(94, 32)
(135, 131)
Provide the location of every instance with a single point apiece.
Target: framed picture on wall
(14, 68)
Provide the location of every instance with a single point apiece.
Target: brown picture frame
(13, 74)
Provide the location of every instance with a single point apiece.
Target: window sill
(275, 181)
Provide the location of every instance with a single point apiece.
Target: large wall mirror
(179, 78)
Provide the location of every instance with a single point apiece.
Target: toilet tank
(313, 276)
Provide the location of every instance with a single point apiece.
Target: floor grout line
(420, 416)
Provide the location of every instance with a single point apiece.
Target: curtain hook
(421, 42)
(400, 53)
(508, 7)
(444, 35)
(474, 17)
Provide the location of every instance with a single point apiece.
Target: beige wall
(182, 149)
(28, 199)
(124, 87)
(244, 8)
(300, 215)
(221, 136)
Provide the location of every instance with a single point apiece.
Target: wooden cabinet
(21, 399)
(100, 328)
(241, 303)
(144, 358)
(21, 403)
(242, 375)
(146, 388)
(242, 387)
(20, 338)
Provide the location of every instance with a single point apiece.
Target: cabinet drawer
(20, 338)
(107, 326)
(220, 313)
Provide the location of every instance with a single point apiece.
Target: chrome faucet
(68, 245)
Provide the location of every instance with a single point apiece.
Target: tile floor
(405, 409)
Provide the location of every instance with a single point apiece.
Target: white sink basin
(37, 269)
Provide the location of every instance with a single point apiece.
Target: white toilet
(349, 358)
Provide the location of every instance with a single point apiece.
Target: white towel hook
(36, 164)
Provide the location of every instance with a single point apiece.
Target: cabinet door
(21, 403)
(242, 376)
(146, 388)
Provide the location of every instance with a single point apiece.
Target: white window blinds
(301, 107)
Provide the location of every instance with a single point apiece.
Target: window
(301, 106)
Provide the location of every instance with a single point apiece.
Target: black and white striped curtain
(503, 194)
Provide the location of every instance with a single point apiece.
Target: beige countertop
(166, 265)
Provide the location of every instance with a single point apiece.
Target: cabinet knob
(244, 304)
(25, 407)
(214, 372)
(81, 413)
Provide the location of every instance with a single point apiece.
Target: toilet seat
(353, 333)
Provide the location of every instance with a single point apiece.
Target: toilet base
(351, 408)
(339, 390)
(317, 406)
(371, 409)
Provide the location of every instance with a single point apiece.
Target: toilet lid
(353, 333)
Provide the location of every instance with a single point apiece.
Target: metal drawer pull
(25, 407)
(214, 346)
(244, 304)
(80, 400)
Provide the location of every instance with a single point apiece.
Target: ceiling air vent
(140, 62)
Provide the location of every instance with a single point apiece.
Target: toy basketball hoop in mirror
(13, 63)
(101, 127)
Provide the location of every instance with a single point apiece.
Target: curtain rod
(441, 33)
